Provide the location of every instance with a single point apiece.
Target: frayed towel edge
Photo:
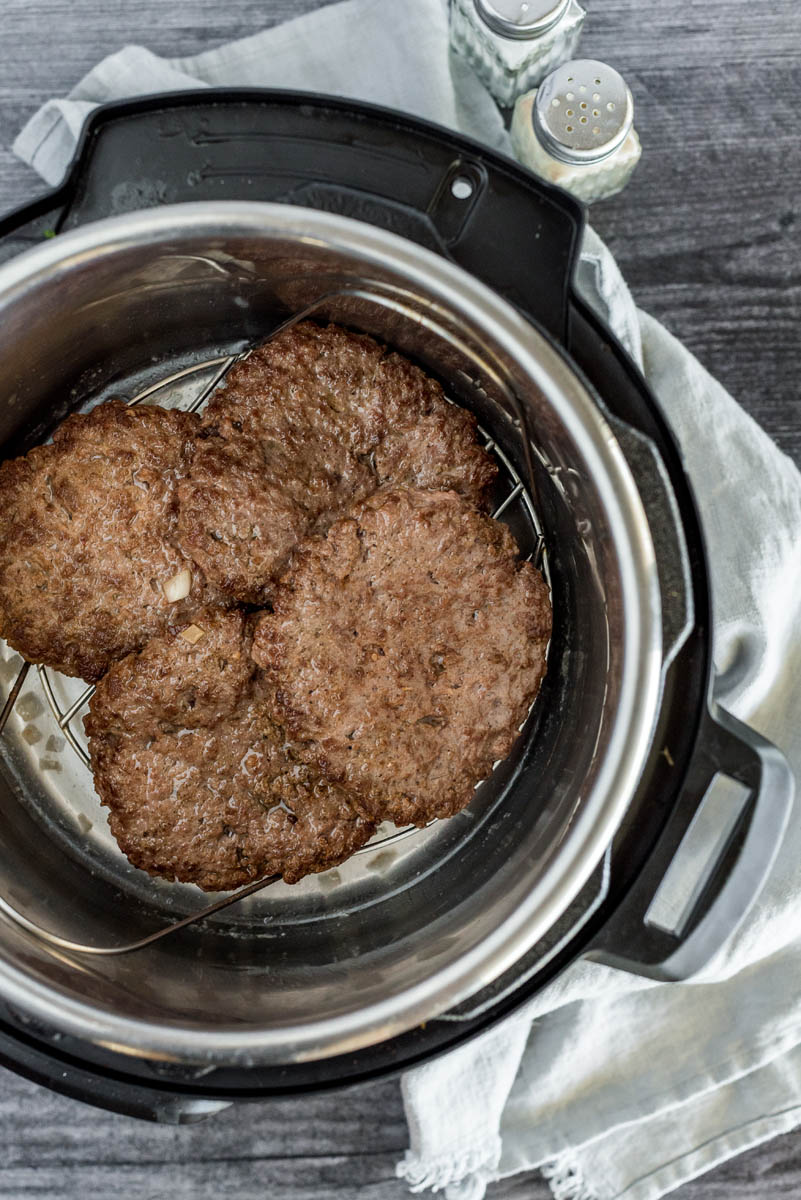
(566, 1180)
(451, 1169)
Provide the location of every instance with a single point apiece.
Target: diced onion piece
(192, 633)
(179, 587)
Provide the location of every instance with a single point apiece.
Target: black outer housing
(519, 236)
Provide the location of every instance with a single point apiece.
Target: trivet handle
(690, 899)
(516, 233)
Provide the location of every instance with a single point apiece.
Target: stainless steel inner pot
(413, 926)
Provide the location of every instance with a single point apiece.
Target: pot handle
(690, 899)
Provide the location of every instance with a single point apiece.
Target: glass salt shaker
(577, 130)
(513, 44)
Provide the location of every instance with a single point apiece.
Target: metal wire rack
(170, 391)
(70, 719)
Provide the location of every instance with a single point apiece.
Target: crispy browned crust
(405, 650)
(307, 425)
(198, 782)
(86, 538)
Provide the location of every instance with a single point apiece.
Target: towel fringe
(566, 1180)
(440, 1173)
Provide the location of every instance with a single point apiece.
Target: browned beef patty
(196, 775)
(313, 421)
(247, 502)
(86, 538)
(405, 649)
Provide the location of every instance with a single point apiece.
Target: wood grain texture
(708, 234)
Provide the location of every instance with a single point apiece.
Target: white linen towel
(615, 1087)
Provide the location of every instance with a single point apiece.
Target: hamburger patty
(308, 424)
(405, 649)
(86, 538)
(195, 773)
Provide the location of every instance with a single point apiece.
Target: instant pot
(189, 227)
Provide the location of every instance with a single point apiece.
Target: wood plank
(33, 1121)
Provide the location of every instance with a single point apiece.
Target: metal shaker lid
(521, 18)
(583, 111)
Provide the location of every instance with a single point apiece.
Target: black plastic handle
(730, 881)
(426, 183)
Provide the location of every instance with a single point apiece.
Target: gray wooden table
(708, 234)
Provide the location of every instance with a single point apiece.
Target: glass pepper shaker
(577, 130)
(513, 44)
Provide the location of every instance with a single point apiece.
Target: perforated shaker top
(583, 111)
(521, 18)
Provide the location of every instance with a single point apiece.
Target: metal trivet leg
(13, 694)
